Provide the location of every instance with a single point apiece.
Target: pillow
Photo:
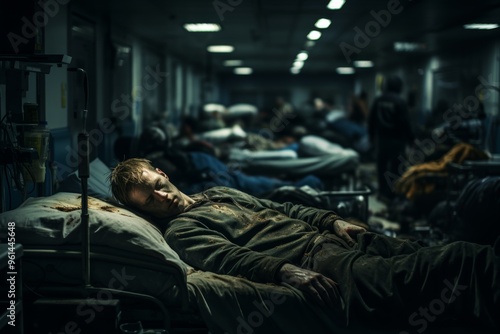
(98, 183)
(55, 220)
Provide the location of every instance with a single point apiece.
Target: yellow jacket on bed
(416, 181)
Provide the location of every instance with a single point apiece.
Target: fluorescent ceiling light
(298, 64)
(345, 70)
(483, 26)
(335, 4)
(220, 48)
(202, 27)
(243, 70)
(233, 62)
(408, 46)
(302, 56)
(295, 70)
(363, 63)
(314, 35)
(322, 23)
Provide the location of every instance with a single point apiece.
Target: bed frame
(166, 313)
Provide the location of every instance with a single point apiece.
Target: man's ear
(159, 171)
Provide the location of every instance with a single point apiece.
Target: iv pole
(83, 174)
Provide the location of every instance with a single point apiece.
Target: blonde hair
(126, 176)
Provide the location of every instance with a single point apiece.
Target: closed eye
(150, 199)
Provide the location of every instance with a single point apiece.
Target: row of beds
(135, 276)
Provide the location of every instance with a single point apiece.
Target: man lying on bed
(367, 276)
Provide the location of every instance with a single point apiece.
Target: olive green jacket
(230, 232)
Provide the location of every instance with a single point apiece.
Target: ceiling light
(483, 26)
(335, 4)
(363, 63)
(298, 64)
(408, 46)
(220, 48)
(314, 35)
(323, 23)
(202, 27)
(243, 70)
(302, 56)
(295, 70)
(233, 62)
(345, 70)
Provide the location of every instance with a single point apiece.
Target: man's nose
(160, 195)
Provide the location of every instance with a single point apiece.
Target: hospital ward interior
(320, 166)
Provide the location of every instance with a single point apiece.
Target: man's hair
(126, 176)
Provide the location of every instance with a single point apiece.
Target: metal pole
(83, 174)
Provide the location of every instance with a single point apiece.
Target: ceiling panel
(268, 34)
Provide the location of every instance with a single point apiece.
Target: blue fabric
(348, 128)
(218, 174)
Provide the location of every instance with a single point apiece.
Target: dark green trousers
(387, 279)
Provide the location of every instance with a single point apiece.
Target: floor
(382, 219)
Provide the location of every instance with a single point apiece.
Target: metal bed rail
(165, 266)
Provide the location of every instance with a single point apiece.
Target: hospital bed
(136, 276)
(335, 165)
(132, 264)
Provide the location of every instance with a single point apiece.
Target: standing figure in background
(390, 131)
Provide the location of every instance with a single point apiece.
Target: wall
(184, 87)
(56, 83)
(299, 88)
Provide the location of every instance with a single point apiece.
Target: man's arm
(322, 219)
(316, 286)
(209, 250)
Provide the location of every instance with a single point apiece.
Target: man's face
(158, 196)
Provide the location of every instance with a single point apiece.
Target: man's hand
(347, 231)
(320, 288)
